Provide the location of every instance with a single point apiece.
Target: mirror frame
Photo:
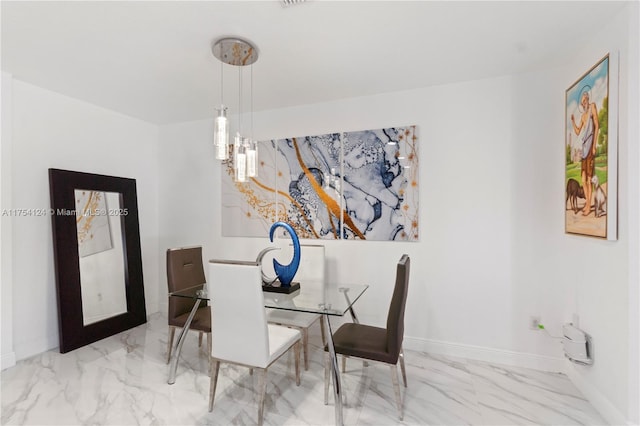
(73, 332)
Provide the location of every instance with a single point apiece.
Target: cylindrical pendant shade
(241, 169)
(221, 135)
(240, 159)
(252, 158)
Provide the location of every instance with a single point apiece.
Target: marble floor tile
(519, 396)
(122, 380)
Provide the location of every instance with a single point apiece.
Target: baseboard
(611, 414)
(481, 353)
(35, 347)
(8, 360)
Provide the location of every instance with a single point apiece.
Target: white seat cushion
(294, 319)
(280, 339)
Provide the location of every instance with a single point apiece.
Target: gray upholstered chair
(184, 270)
(375, 343)
(241, 334)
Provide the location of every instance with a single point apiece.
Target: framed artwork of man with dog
(590, 182)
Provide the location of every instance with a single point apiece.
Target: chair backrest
(238, 319)
(395, 318)
(312, 265)
(184, 270)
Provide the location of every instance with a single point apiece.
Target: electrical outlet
(534, 321)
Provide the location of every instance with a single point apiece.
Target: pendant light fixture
(239, 53)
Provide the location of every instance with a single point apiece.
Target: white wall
(452, 269)
(559, 275)
(189, 212)
(492, 249)
(634, 212)
(7, 354)
(55, 131)
(461, 287)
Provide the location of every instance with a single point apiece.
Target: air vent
(286, 3)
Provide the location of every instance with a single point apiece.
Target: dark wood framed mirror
(98, 260)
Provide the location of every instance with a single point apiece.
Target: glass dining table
(328, 300)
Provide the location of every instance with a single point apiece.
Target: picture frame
(591, 151)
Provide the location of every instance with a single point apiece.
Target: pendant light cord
(251, 106)
(221, 84)
(240, 100)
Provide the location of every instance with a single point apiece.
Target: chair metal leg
(396, 389)
(305, 347)
(200, 339)
(344, 364)
(323, 332)
(296, 350)
(262, 389)
(326, 378)
(402, 368)
(209, 349)
(172, 332)
(214, 366)
(173, 365)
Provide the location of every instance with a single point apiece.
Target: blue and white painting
(355, 185)
(380, 184)
(249, 208)
(309, 172)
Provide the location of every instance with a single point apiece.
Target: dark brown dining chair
(374, 343)
(184, 270)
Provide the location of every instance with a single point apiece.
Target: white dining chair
(240, 332)
(310, 274)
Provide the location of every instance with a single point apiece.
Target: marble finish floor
(122, 380)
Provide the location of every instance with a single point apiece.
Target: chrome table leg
(335, 372)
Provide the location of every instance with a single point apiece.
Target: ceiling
(152, 60)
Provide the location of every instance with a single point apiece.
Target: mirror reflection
(99, 218)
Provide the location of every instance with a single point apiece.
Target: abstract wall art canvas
(355, 185)
(380, 185)
(249, 208)
(591, 152)
(308, 171)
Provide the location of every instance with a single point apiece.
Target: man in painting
(589, 119)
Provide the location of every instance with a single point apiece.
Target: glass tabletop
(329, 300)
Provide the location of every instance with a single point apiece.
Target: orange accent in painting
(331, 204)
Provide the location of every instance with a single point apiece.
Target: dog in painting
(599, 196)
(574, 191)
